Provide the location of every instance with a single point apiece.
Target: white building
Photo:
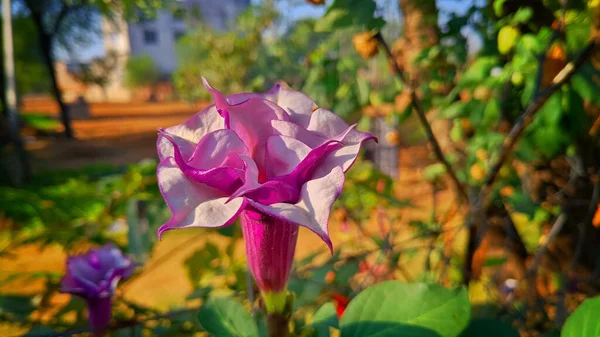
(157, 36)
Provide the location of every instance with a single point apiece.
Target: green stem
(275, 302)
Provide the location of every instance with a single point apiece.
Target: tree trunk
(420, 32)
(46, 47)
(10, 100)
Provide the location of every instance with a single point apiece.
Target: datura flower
(94, 277)
(274, 160)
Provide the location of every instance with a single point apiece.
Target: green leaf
(478, 71)
(551, 112)
(16, 307)
(455, 110)
(400, 309)
(491, 114)
(364, 124)
(494, 261)
(522, 15)
(485, 327)
(584, 321)
(434, 171)
(346, 13)
(498, 4)
(507, 39)
(324, 318)
(224, 317)
(363, 90)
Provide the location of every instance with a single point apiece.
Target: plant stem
(278, 325)
(416, 103)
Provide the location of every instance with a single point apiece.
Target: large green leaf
(484, 327)
(224, 317)
(584, 321)
(400, 309)
(324, 318)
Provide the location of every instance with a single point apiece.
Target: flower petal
(188, 134)
(283, 154)
(250, 119)
(345, 156)
(296, 104)
(265, 193)
(214, 148)
(330, 125)
(193, 204)
(312, 211)
(290, 129)
(224, 178)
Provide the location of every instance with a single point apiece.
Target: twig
(527, 116)
(479, 205)
(417, 105)
(537, 259)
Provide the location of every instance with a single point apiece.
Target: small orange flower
(507, 191)
(330, 277)
(365, 44)
(477, 172)
(596, 220)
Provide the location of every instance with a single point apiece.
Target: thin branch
(60, 18)
(527, 116)
(537, 258)
(479, 205)
(417, 105)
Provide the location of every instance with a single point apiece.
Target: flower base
(270, 247)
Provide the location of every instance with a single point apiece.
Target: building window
(178, 34)
(150, 37)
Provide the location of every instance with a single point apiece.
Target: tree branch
(479, 204)
(60, 18)
(527, 116)
(417, 105)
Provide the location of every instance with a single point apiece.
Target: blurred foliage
(479, 94)
(141, 71)
(224, 58)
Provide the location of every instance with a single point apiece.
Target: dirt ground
(122, 134)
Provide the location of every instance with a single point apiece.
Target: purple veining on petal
(303, 172)
(225, 116)
(226, 179)
(273, 192)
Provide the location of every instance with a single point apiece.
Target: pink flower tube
(274, 160)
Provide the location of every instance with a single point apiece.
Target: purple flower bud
(94, 277)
